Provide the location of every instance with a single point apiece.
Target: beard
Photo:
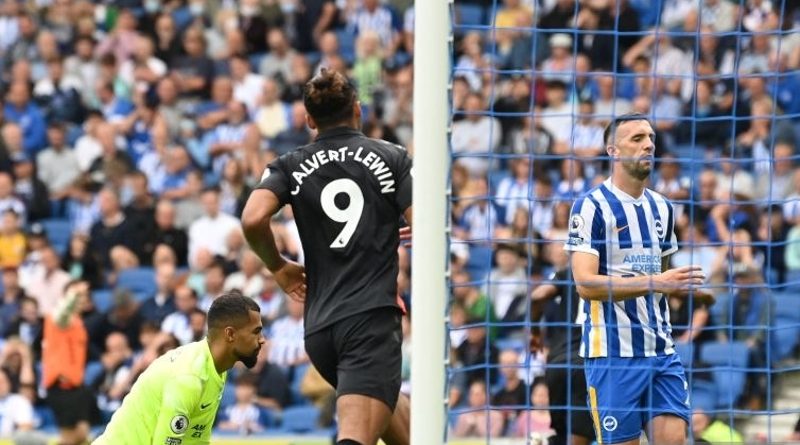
(249, 360)
(637, 168)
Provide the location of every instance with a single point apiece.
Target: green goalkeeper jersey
(173, 402)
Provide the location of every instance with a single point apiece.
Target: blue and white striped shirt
(630, 236)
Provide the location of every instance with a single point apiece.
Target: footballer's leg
(399, 430)
(669, 402)
(368, 375)
(361, 419)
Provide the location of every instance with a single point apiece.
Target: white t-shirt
(14, 410)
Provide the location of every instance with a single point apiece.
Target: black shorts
(568, 389)
(71, 406)
(361, 354)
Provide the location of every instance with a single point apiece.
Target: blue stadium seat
(140, 281)
(92, 372)
(103, 300)
(59, 232)
(470, 15)
(300, 419)
(704, 395)
(46, 417)
(686, 353)
(297, 379)
(480, 262)
(267, 417)
(347, 45)
(786, 324)
(730, 365)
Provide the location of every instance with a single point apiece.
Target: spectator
(123, 317)
(12, 241)
(316, 16)
(508, 284)
(16, 360)
(373, 16)
(79, 263)
(513, 192)
(277, 64)
(167, 234)
(178, 323)
(247, 85)
(16, 412)
(285, 344)
(211, 231)
(167, 39)
(114, 229)
(316, 389)
(28, 325)
(10, 303)
(59, 95)
(112, 164)
(741, 320)
(215, 112)
(48, 288)
(30, 189)
(234, 188)
(57, 166)
(249, 279)
(560, 65)
(236, 138)
(190, 208)
(83, 67)
(19, 109)
(272, 390)
(513, 394)
(608, 102)
(194, 71)
(87, 146)
(157, 307)
(480, 421)
(477, 350)
(244, 415)
(777, 185)
(535, 421)
(473, 64)
(271, 116)
(113, 383)
(368, 67)
(480, 218)
(296, 135)
(213, 286)
(557, 117)
(63, 365)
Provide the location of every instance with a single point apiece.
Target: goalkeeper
(175, 400)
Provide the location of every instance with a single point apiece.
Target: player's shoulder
(588, 199)
(387, 147)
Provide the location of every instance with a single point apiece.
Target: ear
(310, 122)
(612, 151)
(229, 334)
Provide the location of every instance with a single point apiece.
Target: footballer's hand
(291, 277)
(680, 279)
(405, 236)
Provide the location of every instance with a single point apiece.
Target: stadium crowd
(132, 131)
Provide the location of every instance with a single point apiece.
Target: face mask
(152, 5)
(288, 7)
(126, 195)
(249, 11)
(197, 9)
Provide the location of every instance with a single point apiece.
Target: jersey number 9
(350, 215)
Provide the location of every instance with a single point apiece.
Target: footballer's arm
(178, 401)
(595, 287)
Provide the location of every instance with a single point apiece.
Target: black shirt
(560, 312)
(347, 192)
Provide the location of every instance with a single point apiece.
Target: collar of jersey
(622, 194)
(338, 131)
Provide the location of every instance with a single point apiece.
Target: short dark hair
(230, 309)
(329, 97)
(611, 128)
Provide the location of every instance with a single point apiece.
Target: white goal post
(430, 221)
